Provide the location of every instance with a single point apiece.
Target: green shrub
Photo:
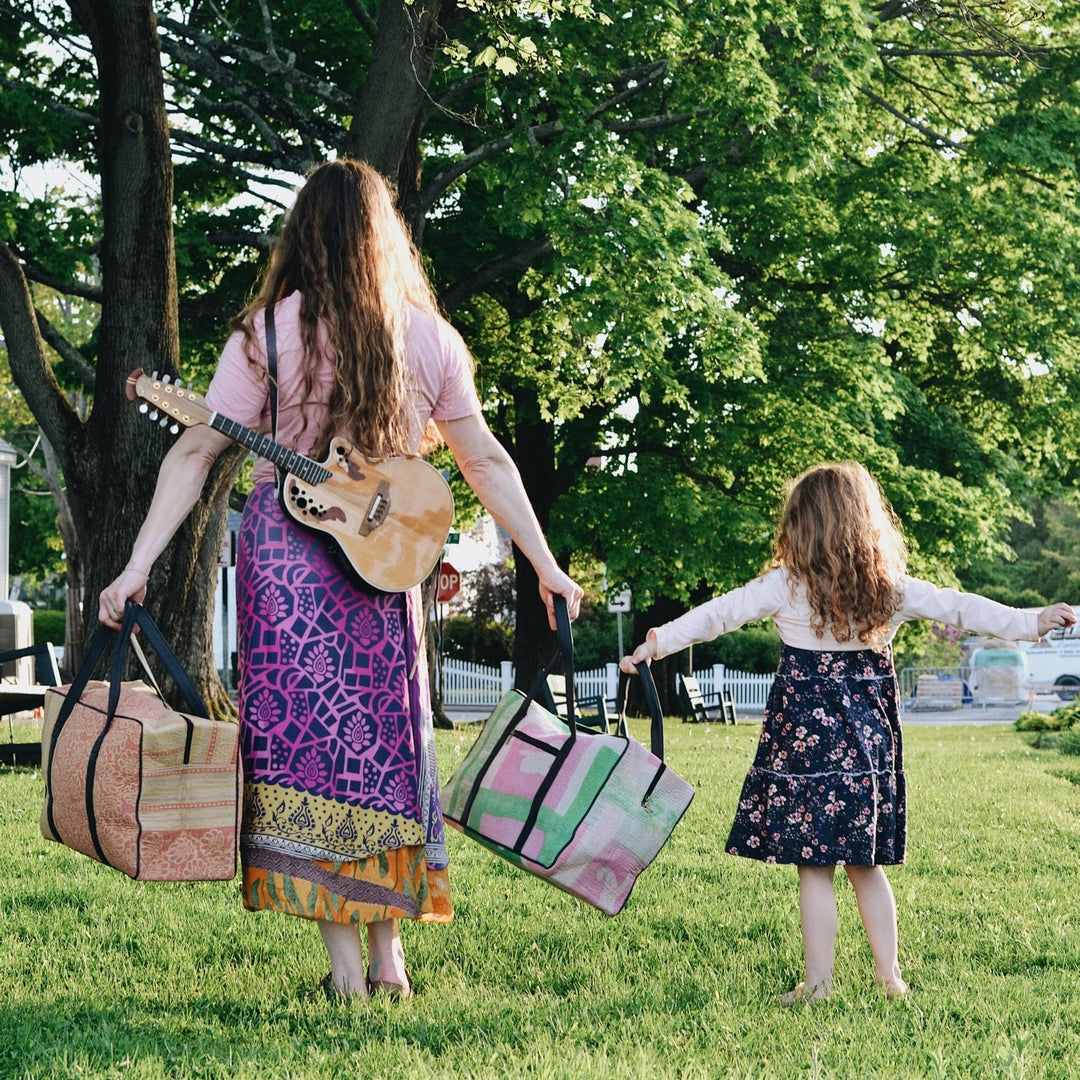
(1061, 719)
(753, 648)
(49, 626)
(1067, 715)
(1033, 721)
(596, 639)
(1070, 742)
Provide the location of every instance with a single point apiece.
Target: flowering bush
(943, 647)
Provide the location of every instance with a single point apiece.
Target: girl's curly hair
(839, 537)
(345, 248)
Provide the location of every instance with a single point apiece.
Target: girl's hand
(645, 653)
(1055, 617)
(131, 583)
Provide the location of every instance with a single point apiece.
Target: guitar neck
(286, 459)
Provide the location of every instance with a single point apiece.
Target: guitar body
(389, 518)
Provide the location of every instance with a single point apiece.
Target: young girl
(826, 788)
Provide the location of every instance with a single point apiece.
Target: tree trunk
(438, 710)
(534, 454)
(111, 473)
(396, 85)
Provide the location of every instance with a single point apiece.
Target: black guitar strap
(271, 371)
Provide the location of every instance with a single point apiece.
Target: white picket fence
(477, 684)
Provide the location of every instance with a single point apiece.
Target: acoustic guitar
(388, 517)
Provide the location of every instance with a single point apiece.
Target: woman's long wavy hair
(346, 249)
(839, 537)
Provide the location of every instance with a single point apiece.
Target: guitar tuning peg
(174, 429)
(153, 375)
(164, 421)
(154, 415)
(165, 378)
(143, 407)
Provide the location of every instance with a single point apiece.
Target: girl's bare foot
(895, 988)
(802, 992)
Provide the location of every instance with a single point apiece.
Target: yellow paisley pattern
(308, 820)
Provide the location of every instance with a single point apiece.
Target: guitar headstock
(172, 403)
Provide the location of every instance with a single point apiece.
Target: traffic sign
(449, 584)
(619, 602)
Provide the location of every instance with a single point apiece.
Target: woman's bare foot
(802, 992)
(895, 988)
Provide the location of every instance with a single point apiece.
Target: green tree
(709, 245)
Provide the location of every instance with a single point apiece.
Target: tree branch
(80, 366)
(27, 360)
(42, 276)
(641, 77)
(540, 132)
(517, 262)
(909, 121)
(58, 107)
(209, 47)
(362, 17)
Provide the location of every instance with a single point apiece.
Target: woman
(342, 822)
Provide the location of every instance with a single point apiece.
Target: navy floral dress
(827, 784)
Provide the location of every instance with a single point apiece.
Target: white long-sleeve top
(772, 595)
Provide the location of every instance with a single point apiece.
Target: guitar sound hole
(300, 502)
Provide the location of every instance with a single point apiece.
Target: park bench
(592, 712)
(697, 708)
(18, 694)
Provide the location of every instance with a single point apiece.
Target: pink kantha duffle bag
(130, 781)
(585, 811)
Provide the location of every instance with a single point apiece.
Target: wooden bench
(697, 709)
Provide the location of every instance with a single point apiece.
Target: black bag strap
(652, 700)
(564, 654)
(271, 371)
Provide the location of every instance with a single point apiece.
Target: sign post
(619, 603)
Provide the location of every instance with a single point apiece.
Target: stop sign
(449, 584)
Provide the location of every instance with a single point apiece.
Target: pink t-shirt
(440, 365)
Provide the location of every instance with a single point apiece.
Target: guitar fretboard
(289, 460)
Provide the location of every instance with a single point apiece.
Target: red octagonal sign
(449, 584)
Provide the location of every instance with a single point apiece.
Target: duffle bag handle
(652, 700)
(134, 615)
(564, 654)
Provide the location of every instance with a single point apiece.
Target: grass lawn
(104, 977)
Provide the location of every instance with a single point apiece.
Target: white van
(1053, 663)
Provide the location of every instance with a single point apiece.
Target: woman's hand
(130, 584)
(645, 653)
(555, 583)
(1055, 617)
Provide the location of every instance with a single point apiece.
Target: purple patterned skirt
(827, 784)
(337, 740)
